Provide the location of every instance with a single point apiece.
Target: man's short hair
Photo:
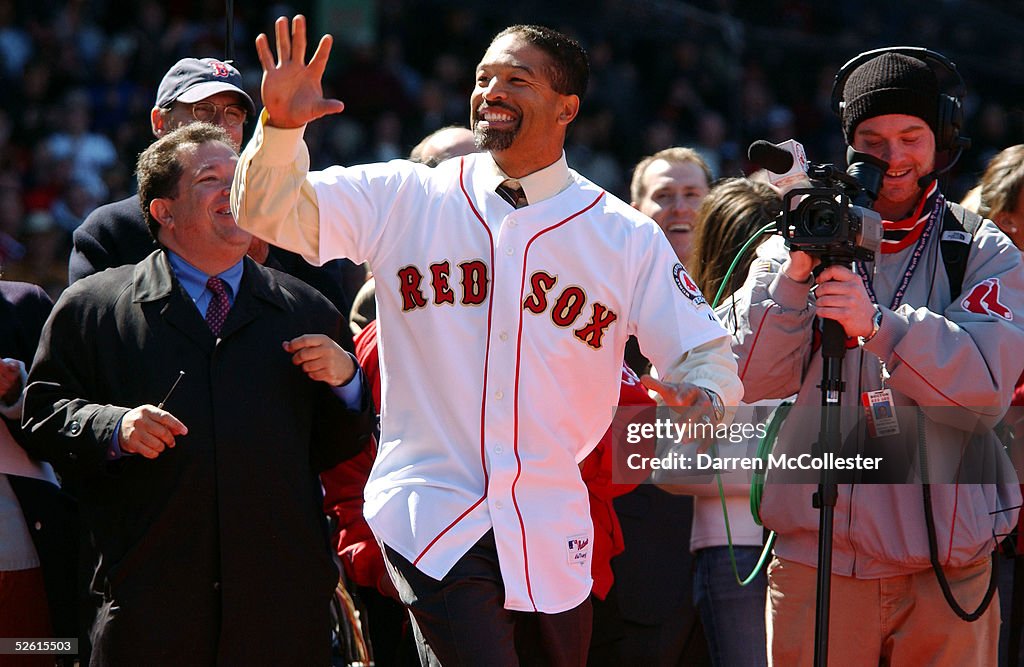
(159, 167)
(570, 69)
(673, 155)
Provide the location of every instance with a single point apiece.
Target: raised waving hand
(292, 90)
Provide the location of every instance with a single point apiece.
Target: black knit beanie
(891, 83)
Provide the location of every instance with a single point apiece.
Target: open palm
(292, 90)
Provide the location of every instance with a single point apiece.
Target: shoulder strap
(957, 237)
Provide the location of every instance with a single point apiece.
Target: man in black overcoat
(202, 501)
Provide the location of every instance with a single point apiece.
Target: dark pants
(461, 619)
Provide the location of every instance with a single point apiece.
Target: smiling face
(671, 194)
(197, 223)
(908, 145)
(514, 112)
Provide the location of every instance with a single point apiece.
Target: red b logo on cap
(220, 69)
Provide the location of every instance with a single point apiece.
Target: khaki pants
(899, 621)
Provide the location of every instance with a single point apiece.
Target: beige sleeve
(712, 366)
(270, 195)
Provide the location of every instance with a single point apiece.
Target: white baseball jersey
(501, 343)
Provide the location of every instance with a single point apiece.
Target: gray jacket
(953, 365)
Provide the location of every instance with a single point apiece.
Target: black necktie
(512, 192)
(219, 306)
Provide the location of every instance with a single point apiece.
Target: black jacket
(216, 551)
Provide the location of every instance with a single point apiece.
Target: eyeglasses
(206, 111)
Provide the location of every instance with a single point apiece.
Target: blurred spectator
(43, 263)
(89, 153)
(11, 209)
(76, 201)
(15, 43)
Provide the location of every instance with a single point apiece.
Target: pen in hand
(170, 391)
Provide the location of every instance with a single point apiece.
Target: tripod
(833, 350)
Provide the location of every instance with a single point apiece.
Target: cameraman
(931, 350)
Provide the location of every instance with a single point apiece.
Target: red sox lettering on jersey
(565, 308)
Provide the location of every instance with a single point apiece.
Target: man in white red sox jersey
(503, 318)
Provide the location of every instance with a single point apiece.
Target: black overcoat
(215, 552)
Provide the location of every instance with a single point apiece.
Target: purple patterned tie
(219, 306)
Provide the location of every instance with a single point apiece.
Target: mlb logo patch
(686, 285)
(578, 549)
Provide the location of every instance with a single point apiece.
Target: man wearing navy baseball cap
(204, 89)
(194, 89)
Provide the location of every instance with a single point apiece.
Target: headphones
(951, 109)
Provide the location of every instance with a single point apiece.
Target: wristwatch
(716, 404)
(876, 323)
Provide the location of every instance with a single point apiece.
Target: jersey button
(498, 449)
(509, 251)
(503, 336)
(499, 394)
(498, 505)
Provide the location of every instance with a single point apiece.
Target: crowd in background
(78, 80)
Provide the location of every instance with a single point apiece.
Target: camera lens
(820, 219)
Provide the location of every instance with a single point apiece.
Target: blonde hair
(674, 155)
(1000, 186)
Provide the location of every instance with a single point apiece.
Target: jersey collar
(540, 185)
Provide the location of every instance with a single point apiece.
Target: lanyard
(915, 258)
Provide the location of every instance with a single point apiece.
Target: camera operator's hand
(841, 296)
(799, 266)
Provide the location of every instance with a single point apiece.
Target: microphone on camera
(786, 163)
(769, 156)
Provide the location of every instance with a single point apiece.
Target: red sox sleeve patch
(984, 300)
(686, 285)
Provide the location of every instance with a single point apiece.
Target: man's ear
(158, 121)
(160, 209)
(570, 109)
